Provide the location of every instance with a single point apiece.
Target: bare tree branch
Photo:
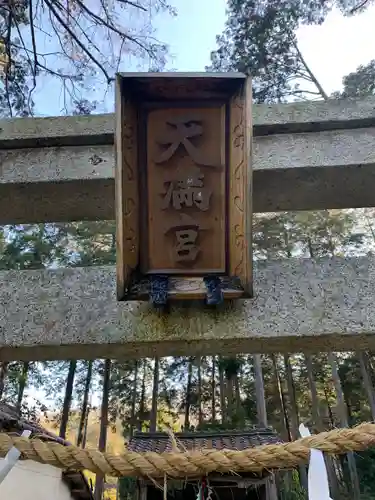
(314, 80)
(310, 92)
(91, 41)
(39, 54)
(62, 8)
(78, 42)
(56, 73)
(33, 65)
(113, 28)
(359, 6)
(32, 33)
(133, 4)
(8, 67)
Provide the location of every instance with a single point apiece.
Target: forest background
(102, 402)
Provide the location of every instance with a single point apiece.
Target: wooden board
(183, 186)
(240, 188)
(126, 192)
(186, 192)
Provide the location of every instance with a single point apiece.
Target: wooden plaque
(183, 183)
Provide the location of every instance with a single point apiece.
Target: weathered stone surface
(299, 305)
(56, 164)
(335, 148)
(99, 129)
(338, 148)
(299, 171)
(56, 131)
(314, 115)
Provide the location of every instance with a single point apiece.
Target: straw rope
(194, 462)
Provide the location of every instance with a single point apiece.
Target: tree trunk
(238, 393)
(288, 477)
(259, 391)
(155, 394)
(294, 414)
(67, 399)
(319, 424)
(311, 74)
(229, 389)
(314, 393)
(99, 482)
(22, 384)
(84, 437)
(83, 417)
(134, 400)
(294, 418)
(223, 409)
(188, 395)
(3, 374)
(199, 393)
(330, 413)
(271, 490)
(354, 480)
(213, 390)
(370, 366)
(142, 403)
(367, 382)
(281, 397)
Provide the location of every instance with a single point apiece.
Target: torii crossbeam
(305, 156)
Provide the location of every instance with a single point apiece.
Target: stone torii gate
(306, 156)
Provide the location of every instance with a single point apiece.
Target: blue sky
(332, 50)
(191, 35)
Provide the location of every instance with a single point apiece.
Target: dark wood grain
(240, 188)
(126, 190)
(183, 184)
(186, 190)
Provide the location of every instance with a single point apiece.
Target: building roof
(160, 442)
(12, 422)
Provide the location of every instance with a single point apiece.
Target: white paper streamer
(317, 482)
(11, 459)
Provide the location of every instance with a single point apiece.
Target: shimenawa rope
(194, 462)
